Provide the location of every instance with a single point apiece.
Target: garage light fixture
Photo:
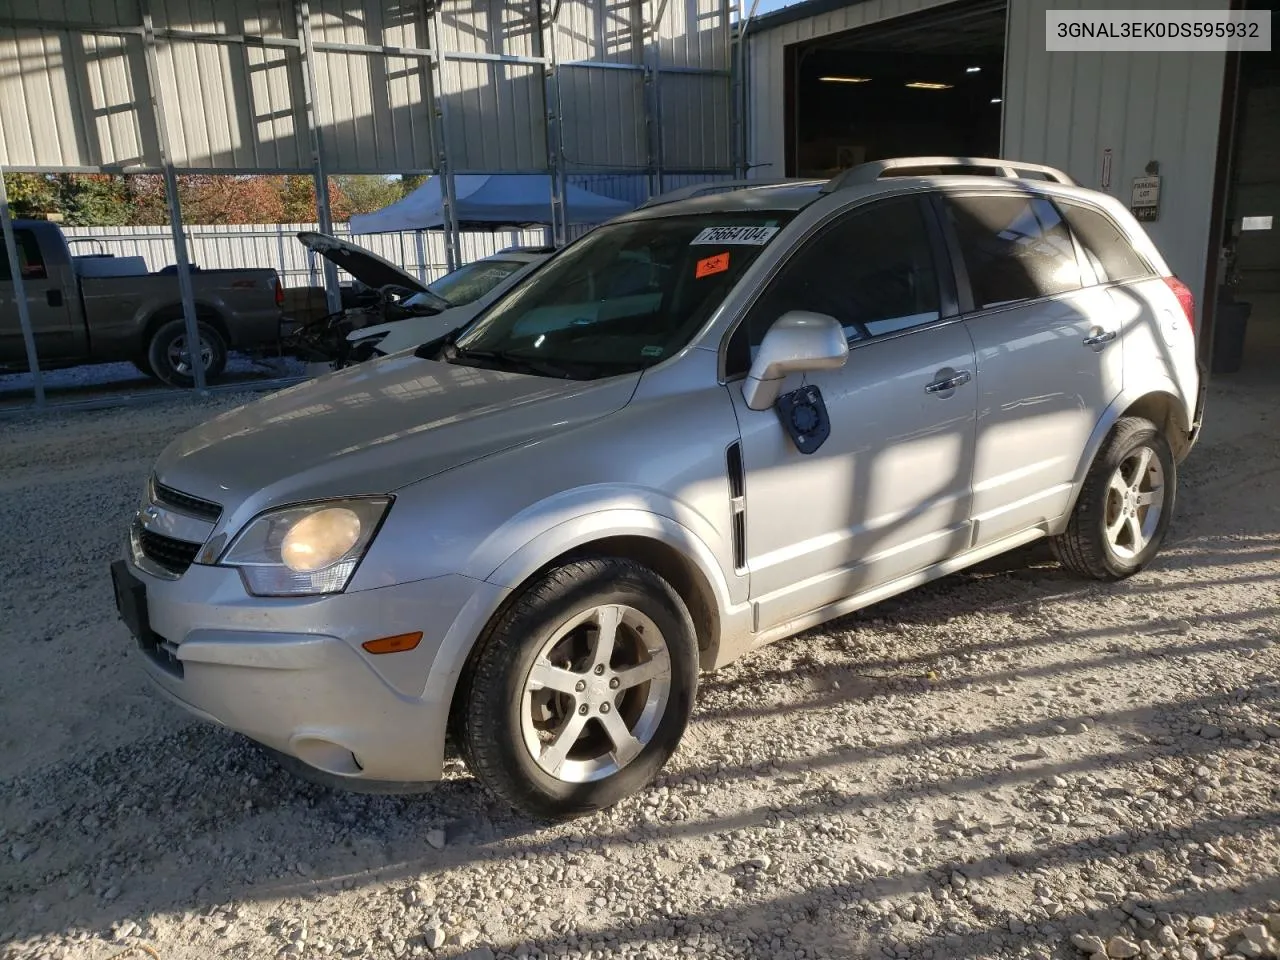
(844, 79)
(972, 69)
(922, 85)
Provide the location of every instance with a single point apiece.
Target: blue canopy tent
(489, 202)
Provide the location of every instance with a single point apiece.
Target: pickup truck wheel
(580, 691)
(172, 360)
(1122, 515)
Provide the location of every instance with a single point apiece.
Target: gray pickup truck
(105, 309)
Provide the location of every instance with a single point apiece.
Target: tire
(166, 355)
(503, 715)
(1111, 533)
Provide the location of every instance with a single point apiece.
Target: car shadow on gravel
(217, 819)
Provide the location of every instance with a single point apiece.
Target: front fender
(617, 522)
(554, 541)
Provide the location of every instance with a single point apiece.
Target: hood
(367, 267)
(374, 428)
(415, 331)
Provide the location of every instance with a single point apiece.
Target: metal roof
(395, 87)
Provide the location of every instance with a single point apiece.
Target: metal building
(323, 87)
(816, 70)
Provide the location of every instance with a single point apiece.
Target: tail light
(279, 293)
(1186, 299)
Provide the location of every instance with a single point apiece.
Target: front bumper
(291, 674)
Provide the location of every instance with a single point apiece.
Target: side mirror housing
(797, 342)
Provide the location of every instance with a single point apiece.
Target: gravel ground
(1007, 763)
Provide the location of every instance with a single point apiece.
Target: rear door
(56, 333)
(1048, 349)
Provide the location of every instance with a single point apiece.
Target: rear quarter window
(1105, 244)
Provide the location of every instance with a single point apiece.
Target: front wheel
(581, 691)
(173, 360)
(1122, 515)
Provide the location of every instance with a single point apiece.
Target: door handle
(949, 383)
(53, 298)
(1098, 339)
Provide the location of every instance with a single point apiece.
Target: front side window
(471, 282)
(873, 270)
(1014, 247)
(624, 297)
(1106, 246)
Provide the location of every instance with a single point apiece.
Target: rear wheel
(173, 360)
(581, 691)
(1121, 518)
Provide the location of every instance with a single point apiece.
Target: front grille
(185, 503)
(167, 552)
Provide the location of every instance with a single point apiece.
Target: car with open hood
(713, 422)
(392, 310)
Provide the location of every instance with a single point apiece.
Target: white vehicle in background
(469, 289)
(393, 310)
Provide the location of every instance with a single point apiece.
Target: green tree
(95, 200)
(32, 194)
(365, 194)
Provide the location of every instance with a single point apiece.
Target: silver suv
(709, 424)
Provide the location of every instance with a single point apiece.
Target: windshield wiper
(519, 362)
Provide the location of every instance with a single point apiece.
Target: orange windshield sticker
(717, 264)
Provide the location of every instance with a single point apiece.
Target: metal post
(744, 96)
(440, 133)
(20, 293)
(653, 99)
(302, 10)
(552, 114)
(185, 289)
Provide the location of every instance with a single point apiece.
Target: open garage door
(930, 83)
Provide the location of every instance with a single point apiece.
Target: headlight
(305, 550)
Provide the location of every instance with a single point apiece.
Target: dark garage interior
(926, 84)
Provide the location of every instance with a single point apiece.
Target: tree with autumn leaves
(139, 200)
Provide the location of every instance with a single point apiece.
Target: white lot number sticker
(751, 236)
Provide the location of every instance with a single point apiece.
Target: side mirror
(797, 342)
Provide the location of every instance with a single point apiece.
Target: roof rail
(722, 186)
(904, 167)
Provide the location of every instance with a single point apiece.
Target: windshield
(624, 297)
(470, 282)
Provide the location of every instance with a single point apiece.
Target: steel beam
(332, 291)
(20, 294)
(444, 162)
(185, 290)
(553, 116)
(745, 17)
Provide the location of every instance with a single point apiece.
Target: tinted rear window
(1106, 246)
(1014, 247)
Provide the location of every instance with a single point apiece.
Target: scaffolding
(328, 87)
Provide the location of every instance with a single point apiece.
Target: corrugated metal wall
(70, 98)
(1065, 109)
(219, 247)
(766, 71)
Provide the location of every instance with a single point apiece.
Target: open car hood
(369, 268)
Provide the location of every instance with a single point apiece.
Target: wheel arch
(204, 311)
(663, 545)
(1160, 404)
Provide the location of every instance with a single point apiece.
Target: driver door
(888, 493)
